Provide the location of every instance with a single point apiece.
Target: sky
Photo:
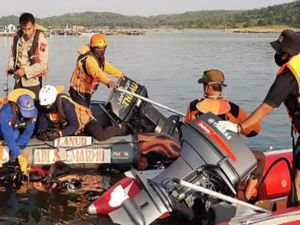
(45, 8)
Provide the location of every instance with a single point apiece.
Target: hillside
(285, 14)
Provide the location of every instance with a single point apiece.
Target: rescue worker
(285, 89)
(61, 116)
(18, 118)
(90, 70)
(29, 55)
(214, 102)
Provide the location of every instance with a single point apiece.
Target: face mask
(278, 59)
(99, 52)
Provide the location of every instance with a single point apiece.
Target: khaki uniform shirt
(22, 60)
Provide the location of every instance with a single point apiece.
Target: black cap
(288, 42)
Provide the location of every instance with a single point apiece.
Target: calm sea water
(169, 65)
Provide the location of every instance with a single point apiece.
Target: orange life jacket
(198, 107)
(226, 110)
(217, 107)
(81, 80)
(33, 53)
(293, 110)
(84, 114)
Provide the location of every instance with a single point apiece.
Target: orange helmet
(98, 41)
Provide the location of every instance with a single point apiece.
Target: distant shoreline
(267, 29)
(132, 31)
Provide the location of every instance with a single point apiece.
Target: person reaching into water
(60, 116)
(285, 89)
(213, 101)
(18, 119)
(90, 70)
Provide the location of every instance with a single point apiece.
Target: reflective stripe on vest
(81, 80)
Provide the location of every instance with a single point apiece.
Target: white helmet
(47, 95)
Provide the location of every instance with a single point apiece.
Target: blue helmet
(27, 107)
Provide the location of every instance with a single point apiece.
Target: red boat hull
(277, 182)
(276, 185)
(290, 216)
(102, 207)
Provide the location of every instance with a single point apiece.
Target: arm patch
(43, 47)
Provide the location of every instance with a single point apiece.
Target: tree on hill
(284, 14)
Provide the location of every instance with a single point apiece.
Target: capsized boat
(212, 170)
(120, 151)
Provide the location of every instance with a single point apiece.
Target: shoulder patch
(43, 47)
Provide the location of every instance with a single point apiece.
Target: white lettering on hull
(72, 141)
(86, 155)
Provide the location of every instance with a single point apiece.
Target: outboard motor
(122, 107)
(210, 157)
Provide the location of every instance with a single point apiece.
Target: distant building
(78, 28)
(10, 28)
(8, 31)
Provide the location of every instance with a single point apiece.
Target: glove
(42, 135)
(123, 76)
(23, 164)
(52, 135)
(227, 125)
(112, 84)
(4, 154)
